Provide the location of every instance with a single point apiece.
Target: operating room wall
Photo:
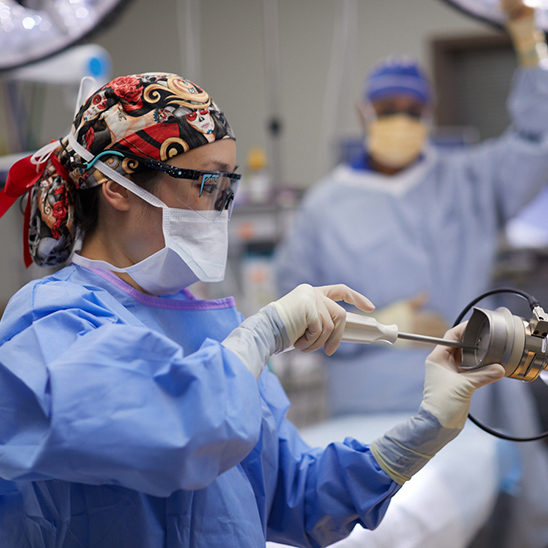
(233, 63)
(232, 66)
(325, 49)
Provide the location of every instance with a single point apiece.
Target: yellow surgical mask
(396, 140)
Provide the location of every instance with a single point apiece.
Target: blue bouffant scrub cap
(397, 76)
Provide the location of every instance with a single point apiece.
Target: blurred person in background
(416, 229)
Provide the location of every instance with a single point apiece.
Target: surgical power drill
(490, 336)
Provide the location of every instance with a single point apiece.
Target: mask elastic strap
(41, 155)
(112, 174)
(79, 100)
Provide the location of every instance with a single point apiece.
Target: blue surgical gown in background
(431, 229)
(124, 423)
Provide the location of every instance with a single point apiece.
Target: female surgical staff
(136, 415)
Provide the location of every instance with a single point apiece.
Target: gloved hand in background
(527, 38)
(307, 318)
(406, 448)
(412, 316)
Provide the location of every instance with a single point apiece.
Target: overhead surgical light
(31, 30)
(491, 12)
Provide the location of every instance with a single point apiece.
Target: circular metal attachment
(497, 336)
(494, 337)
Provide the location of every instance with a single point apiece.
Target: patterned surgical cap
(157, 115)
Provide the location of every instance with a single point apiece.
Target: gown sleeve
(87, 398)
(509, 171)
(320, 494)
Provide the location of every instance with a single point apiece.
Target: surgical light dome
(31, 30)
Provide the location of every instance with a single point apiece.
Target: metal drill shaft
(433, 340)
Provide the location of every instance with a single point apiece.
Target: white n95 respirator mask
(396, 140)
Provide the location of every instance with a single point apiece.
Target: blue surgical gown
(126, 424)
(432, 228)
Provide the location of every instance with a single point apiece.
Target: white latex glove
(313, 319)
(407, 447)
(447, 389)
(307, 318)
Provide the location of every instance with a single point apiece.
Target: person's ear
(116, 195)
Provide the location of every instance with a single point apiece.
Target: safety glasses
(209, 190)
(414, 111)
(204, 191)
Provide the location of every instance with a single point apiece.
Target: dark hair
(86, 203)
